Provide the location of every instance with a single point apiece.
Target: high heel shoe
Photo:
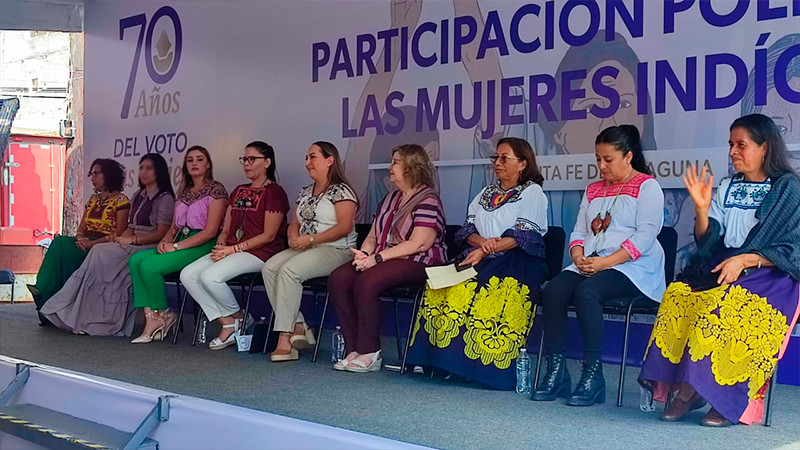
(145, 338)
(170, 322)
(219, 344)
(304, 340)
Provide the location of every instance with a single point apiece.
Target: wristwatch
(378, 258)
(175, 245)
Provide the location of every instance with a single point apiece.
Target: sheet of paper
(445, 276)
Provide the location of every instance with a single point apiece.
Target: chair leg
(624, 354)
(538, 361)
(13, 281)
(180, 318)
(768, 406)
(397, 328)
(249, 296)
(270, 324)
(320, 327)
(200, 315)
(417, 300)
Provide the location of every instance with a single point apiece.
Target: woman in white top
(321, 232)
(615, 253)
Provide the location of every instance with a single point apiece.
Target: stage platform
(410, 409)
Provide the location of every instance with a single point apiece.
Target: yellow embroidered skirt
(475, 329)
(725, 342)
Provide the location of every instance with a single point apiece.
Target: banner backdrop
(454, 77)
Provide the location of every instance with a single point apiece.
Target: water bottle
(337, 345)
(523, 372)
(646, 400)
(201, 330)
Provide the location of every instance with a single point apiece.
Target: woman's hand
(221, 251)
(576, 254)
(124, 240)
(731, 269)
(474, 257)
(364, 263)
(699, 188)
(301, 242)
(358, 255)
(489, 245)
(82, 242)
(165, 247)
(592, 264)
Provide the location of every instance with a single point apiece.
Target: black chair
(668, 238)
(407, 292)
(7, 277)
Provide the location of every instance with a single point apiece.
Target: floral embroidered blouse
(734, 207)
(191, 207)
(100, 216)
(317, 213)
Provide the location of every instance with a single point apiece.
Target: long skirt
(475, 329)
(95, 299)
(61, 260)
(725, 342)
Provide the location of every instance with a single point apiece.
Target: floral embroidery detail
(245, 197)
(101, 215)
(215, 189)
(746, 195)
(575, 242)
(631, 249)
(494, 196)
(307, 203)
(499, 322)
(739, 330)
(445, 311)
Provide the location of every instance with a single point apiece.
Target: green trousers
(61, 260)
(149, 267)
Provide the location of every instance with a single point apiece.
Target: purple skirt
(725, 342)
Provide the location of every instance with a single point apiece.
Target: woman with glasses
(95, 299)
(253, 231)
(475, 329)
(199, 210)
(321, 234)
(615, 253)
(105, 217)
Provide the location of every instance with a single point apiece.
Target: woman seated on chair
(199, 210)
(503, 239)
(105, 217)
(615, 254)
(95, 299)
(406, 236)
(723, 326)
(321, 234)
(254, 230)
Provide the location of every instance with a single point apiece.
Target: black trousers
(587, 294)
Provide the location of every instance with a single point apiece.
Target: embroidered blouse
(637, 215)
(393, 225)
(519, 212)
(317, 213)
(248, 208)
(100, 216)
(734, 207)
(149, 211)
(191, 208)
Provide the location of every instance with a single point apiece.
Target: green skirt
(61, 260)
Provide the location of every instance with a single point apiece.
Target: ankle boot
(556, 381)
(591, 387)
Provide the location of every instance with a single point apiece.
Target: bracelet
(759, 262)
(135, 241)
(364, 252)
(311, 239)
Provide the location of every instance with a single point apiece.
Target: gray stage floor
(410, 408)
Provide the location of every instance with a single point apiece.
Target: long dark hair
(162, 172)
(336, 171)
(522, 150)
(113, 173)
(625, 138)
(762, 129)
(267, 152)
(187, 182)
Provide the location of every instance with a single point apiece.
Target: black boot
(591, 388)
(556, 381)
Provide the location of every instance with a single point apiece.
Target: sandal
(342, 363)
(303, 340)
(146, 339)
(359, 366)
(292, 355)
(219, 344)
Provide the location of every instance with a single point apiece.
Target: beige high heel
(146, 339)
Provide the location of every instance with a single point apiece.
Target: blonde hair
(417, 166)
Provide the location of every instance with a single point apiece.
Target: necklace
(602, 222)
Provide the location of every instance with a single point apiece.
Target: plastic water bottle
(201, 330)
(337, 345)
(523, 372)
(646, 400)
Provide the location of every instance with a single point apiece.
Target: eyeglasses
(502, 158)
(95, 174)
(245, 160)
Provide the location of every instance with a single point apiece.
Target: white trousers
(285, 273)
(206, 282)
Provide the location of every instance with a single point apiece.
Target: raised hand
(700, 188)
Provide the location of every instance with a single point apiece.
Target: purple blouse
(191, 208)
